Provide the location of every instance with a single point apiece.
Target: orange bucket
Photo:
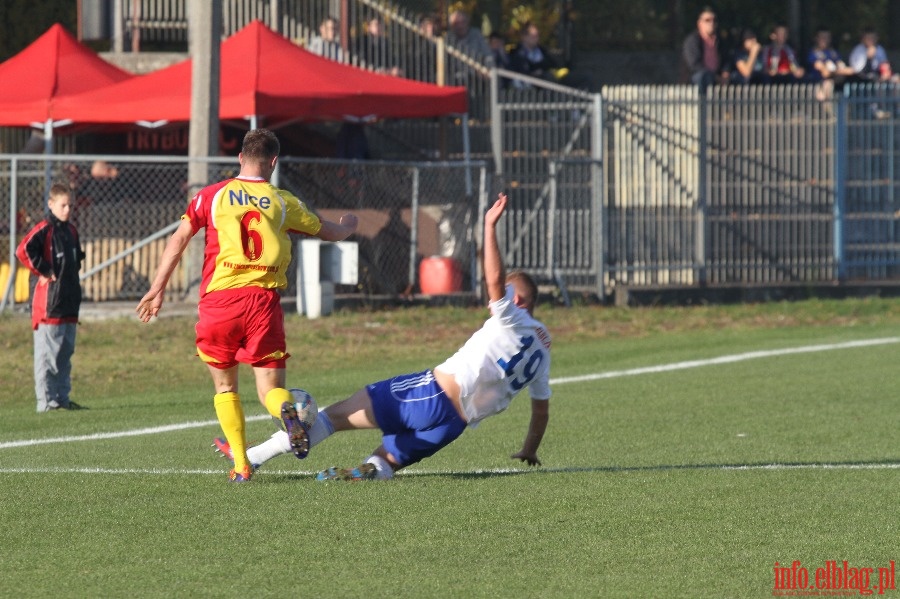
(439, 276)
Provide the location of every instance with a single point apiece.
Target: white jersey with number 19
(509, 352)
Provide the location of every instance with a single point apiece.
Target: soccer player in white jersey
(422, 412)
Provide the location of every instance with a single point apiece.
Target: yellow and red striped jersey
(247, 221)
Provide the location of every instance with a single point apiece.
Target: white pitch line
(114, 435)
(730, 359)
(477, 472)
(724, 360)
(141, 471)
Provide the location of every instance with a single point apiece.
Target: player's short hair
(261, 145)
(59, 189)
(525, 287)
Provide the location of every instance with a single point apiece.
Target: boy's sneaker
(296, 430)
(361, 472)
(240, 476)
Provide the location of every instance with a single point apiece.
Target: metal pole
(440, 48)
(414, 228)
(467, 153)
(475, 263)
(48, 149)
(205, 29)
(496, 125)
(702, 188)
(275, 16)
(205, 46)
(479, 233)
(13, 224)
(840, 184)
(118, 43)
(597, 206)
(345, 29)
(135, 26)
(553, 166)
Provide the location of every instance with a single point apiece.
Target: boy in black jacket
(52, 252)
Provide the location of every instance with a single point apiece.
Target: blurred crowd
(377, 51)
(770, 57)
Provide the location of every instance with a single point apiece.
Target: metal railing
(125, 212)
(404, 42)
(652, 186)
(404, 48)
(757, 185)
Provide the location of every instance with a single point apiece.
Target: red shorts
(241, 325)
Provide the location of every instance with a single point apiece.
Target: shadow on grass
(885, 464)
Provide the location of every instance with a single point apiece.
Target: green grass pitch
(773, 438)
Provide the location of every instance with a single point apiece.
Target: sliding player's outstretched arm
(494, 272)
(540, 415)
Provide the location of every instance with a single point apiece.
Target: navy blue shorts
(415, 416)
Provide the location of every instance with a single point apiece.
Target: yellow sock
(231, 418)
(275, 398)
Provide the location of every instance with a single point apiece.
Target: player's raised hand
(496, 211)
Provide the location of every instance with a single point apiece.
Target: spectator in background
(101, 169)
(530, 58)
(701, 52)
(52, 252)
(327, 43)
(826, 66)
(76, 181)
(352, 143)
(779, 59)
(748, 64)
(463, 37)
(870, 63)
(499, 55)
(375, 49)
(420, 57)
(98, 195)
(428, 26)
(869, 60)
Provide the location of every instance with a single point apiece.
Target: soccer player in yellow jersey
(247, 252)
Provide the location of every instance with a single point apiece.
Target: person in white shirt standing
(421, 413)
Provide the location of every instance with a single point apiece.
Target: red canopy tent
(54, 66)
(266, 76)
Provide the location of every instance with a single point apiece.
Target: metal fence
(750, 185)
(637, 186)
(544, 138)
(125, 208)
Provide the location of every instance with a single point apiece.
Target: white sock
(321, 429)
(279, 443)
(276, 445)
(385, 472)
